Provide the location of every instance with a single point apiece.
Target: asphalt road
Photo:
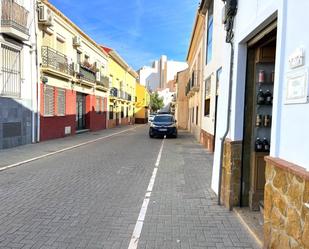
(92, 197)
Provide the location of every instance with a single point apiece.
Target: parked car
(151, 117)
(163, 124)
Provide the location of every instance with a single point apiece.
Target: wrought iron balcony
(113, 92)
(55, 60)
(104, 81)
(87, 74)
(14, 20)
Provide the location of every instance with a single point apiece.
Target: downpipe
(228, 122)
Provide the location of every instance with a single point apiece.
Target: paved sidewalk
(183, 212)
(29, 151)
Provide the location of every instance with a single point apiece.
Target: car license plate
(162, 129)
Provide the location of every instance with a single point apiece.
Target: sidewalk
(23, 153)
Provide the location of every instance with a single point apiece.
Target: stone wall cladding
(207, 140)
(286, 217)
(231, 173)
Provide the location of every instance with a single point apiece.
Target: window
(207, 97)
(122, 112)
(219, 72)
(192, 118)
(49, 101)
(79, 56)
(196, 119)
(10, 83)
(61, 102)
(98, 104)
(60, 44)
(111, 112)
(127, 111)
(209, 34)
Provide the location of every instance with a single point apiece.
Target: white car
(151, 117)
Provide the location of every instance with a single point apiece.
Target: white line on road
(63, 150)
(141, 217)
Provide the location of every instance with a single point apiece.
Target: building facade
(181, 105)
(194, 87)
(161, 72)
(73, 73)
(259, 161)
(142, 104)
(18, 74)
(122, 93)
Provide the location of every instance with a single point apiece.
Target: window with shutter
(49, 101)
(61, 102)
(97, 104)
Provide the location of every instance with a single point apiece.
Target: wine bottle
(266, 146)
(258, 145)
(260, 97)
(268, 98)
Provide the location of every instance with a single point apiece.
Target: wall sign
(297, 58)
(297, 90)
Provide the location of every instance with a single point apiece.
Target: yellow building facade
(142, 104)
(122, 87)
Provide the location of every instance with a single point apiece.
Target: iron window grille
(10, 84)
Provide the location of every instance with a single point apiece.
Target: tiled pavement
(90, 197)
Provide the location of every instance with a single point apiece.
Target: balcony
(86, 74)
(104, 82)
(14, 20)
(113, 92)
(56, 62)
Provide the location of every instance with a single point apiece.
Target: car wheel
(150, 135)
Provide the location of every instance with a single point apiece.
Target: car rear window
(163, 119)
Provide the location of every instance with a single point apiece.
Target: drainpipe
(228, 122)
(38, 88)
(230, 38)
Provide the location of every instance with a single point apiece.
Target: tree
(156, 103)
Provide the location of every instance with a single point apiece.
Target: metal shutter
(61, 102)
(49, 101)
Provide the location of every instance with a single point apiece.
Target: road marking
(63, 150)
(142, 214)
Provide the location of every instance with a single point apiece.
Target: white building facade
(18, 73)
(160, 73)
(264, 162)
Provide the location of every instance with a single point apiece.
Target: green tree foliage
(156, 103)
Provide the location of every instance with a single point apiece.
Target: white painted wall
(290, 138)
(161, 72)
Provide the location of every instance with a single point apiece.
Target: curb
(63, 150)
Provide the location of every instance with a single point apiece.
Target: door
(80, 111)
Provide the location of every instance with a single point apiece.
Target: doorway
(257, 117)
(80, 111)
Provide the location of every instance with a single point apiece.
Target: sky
(139, 30)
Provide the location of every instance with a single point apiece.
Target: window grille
(61, 102)
(11, 72)
(49, 101)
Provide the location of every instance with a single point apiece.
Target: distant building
(160, 73)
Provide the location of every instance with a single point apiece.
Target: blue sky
(139, 30)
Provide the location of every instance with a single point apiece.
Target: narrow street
(91, 197)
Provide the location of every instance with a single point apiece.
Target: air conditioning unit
(76, 68)
(45, 16)
(77, 42)
(98, 76)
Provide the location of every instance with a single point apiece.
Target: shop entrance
(80, 111)
(257, 116)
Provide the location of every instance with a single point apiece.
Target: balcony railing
(56, 61)
(14, 15)
(113, 92)
(104, 81)
(87, 74)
